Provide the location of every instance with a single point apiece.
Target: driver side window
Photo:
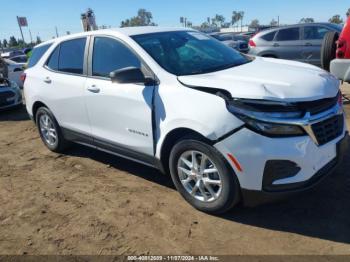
(110, 55)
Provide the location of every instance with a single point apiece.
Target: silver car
(235, 41)
(300, 42)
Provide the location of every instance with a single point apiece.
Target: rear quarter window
(38, 52)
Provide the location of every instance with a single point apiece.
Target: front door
(120, 114)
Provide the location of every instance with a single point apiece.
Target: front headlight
(259, 121)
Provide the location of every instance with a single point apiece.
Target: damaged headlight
(267, 117)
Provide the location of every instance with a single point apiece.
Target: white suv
(227, 126)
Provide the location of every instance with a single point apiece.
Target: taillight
(23, 77)
(252, 43)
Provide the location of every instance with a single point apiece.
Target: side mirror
(130, 75)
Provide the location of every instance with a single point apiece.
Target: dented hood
(269, 79)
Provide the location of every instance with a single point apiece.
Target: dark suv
(300, 42)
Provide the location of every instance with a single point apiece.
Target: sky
(44, 15)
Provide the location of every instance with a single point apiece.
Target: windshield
(188, 53)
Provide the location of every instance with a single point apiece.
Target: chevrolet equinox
(227, 126)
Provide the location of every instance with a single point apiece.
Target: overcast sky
(44, 15)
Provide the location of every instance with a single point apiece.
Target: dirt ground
(88, 202)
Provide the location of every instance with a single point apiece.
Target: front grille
(4, 96)
(328, 129)
(318, 106)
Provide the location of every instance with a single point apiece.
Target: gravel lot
(88, 202)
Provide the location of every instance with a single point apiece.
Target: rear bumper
(341, 69)
(253, 198)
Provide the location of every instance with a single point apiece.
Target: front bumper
(253, 198)
(341, 69)
(10, 102)
(253, 151)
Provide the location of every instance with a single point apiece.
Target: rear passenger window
(289, 34)
(38, 52)
(52, 63)
(71, 56)
(110, 55)
(269, 37)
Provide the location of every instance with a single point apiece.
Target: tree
(38, 40)
(204, 25)
(219, 20)
(5, 43)
(273, 22)
(254, 23)
(13, 42)
(237, 16)
(143, 18)
(307, 20)
(336, 19)
(0, 44)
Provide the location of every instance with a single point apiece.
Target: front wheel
(203, 177)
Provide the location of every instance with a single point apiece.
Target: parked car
(10, 94)
(336, 53)
(300, 42)
(228, 127)
(15, 70)
(19, 59)
(235, 41)
(12, 54)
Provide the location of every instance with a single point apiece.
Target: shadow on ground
(323, 212)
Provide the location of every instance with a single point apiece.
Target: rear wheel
(329, 48)
(50, 131)
(203, 177)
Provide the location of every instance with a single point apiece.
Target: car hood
(269, 79)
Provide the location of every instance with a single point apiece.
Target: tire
(225, 198)
(45, 120)
(328, 49)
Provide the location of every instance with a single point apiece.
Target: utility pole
(30, 34)
(56, 31)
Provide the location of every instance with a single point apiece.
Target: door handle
(93, 89)
(47, 80)
(276, 45)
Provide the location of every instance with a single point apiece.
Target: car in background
(11, 54)
(235, 41)
(336, 53)
(301, 42)
(19, 59)
(10, 94)
(15, 70)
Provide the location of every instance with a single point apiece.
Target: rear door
(312, 41)
(64, 85)
(288, 44)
